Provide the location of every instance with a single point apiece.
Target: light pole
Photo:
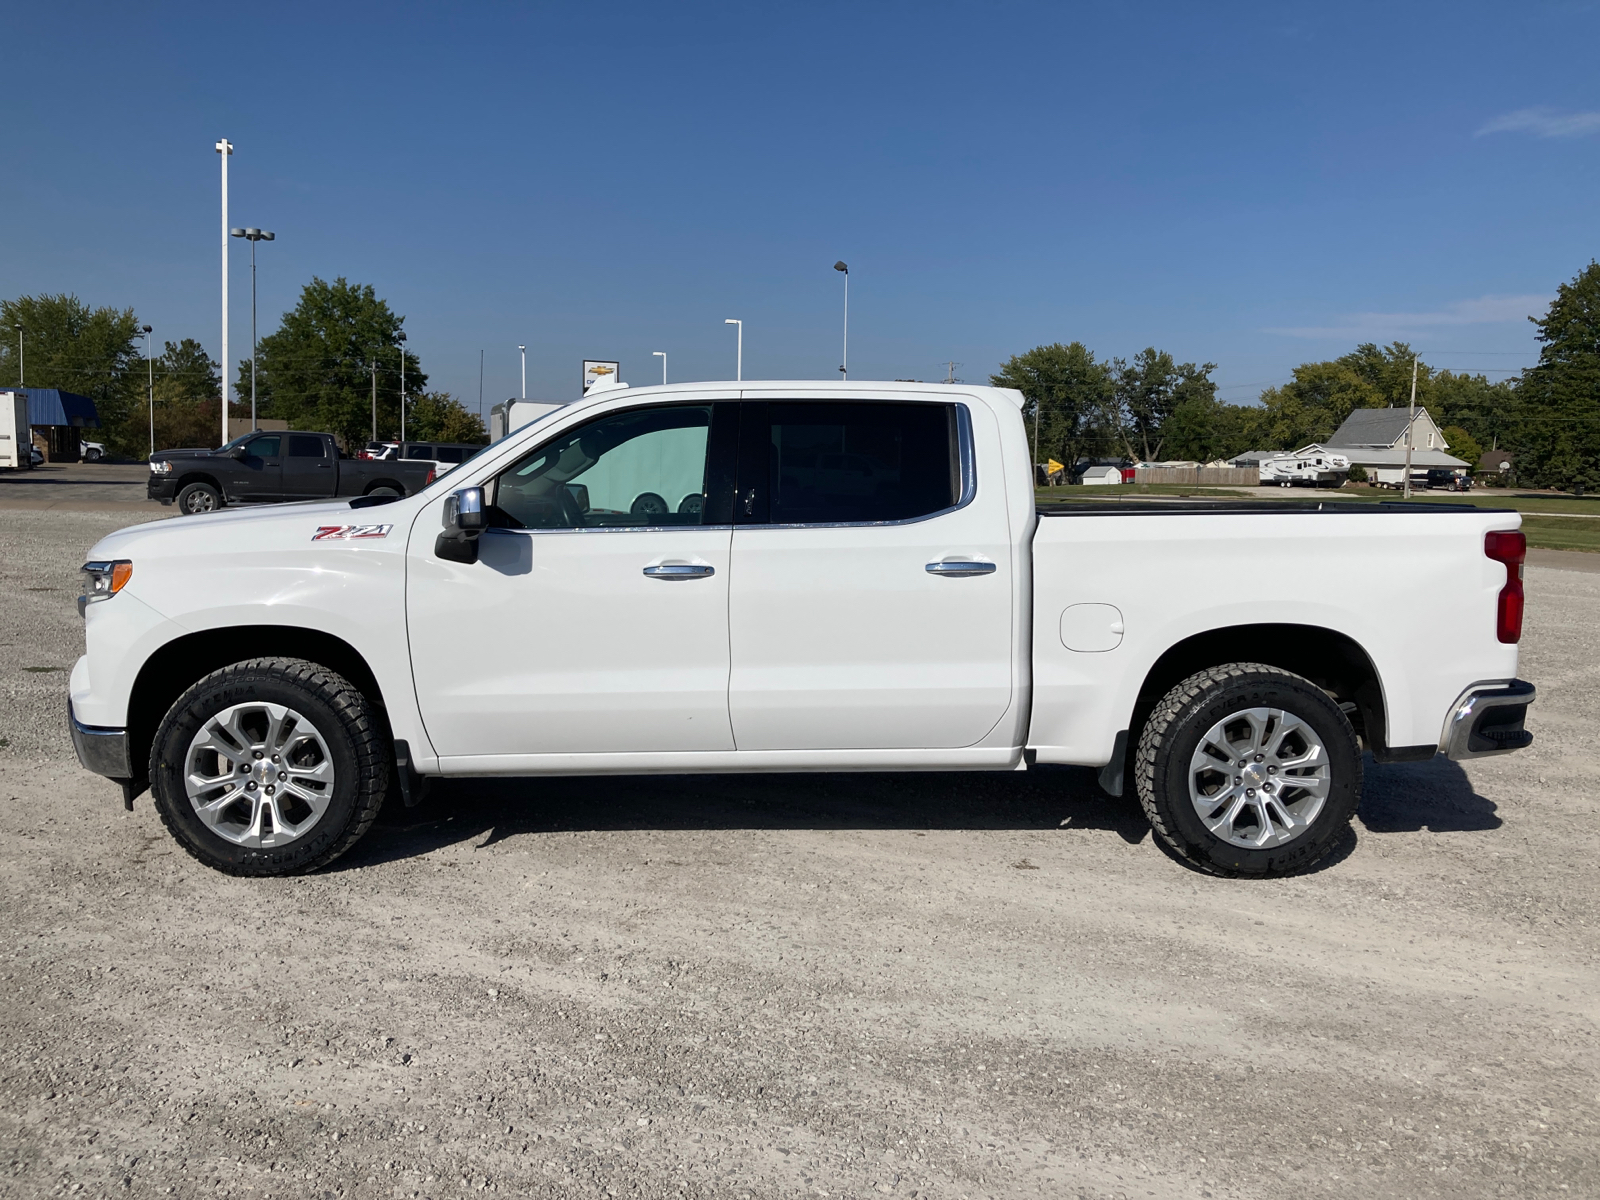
(150, 362)
(400, 337)
(22, 374)
(738, 374)
(225, 149)
(374, 395)
(845, 364)
(1411, 424)
(524, 351)
(662, 355)
(254, 236)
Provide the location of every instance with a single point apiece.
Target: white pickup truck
(789, 577)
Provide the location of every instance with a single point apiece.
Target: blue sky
(1253, 185)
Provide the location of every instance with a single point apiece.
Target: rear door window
(304, 446)
(828, 463)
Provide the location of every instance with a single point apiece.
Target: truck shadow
(494, 810)
(1398, 798)
(1435, 795)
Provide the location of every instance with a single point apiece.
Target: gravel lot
(934, 986)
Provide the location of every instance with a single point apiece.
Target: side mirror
(463, 520)
(237, 452)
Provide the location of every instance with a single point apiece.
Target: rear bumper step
(1488, 719)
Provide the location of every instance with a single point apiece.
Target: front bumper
(1487, 719)
(103, 751)
(160, 487)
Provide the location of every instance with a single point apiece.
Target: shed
(58, 419)
(1101, 476)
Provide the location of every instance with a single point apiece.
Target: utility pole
(22, 373)
(374, 397)
(401, 338)
(151, 363)
(1411, 424)
(524, 352)
(225, 149)
(480, 385)
(950, 371)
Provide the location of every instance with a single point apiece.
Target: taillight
(1509, 546)
(429, 479)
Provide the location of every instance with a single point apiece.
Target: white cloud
(1485, 310)
(1544, 123)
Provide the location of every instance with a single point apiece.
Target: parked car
(686, 579)
(266, 468)
(1450, 481)
(445, 456)
(91, 451)
(35, 456)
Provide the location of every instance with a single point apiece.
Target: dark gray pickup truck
(269, 468)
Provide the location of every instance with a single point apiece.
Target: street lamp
(225, 149)
(149, 358)
(524, 351)
(840, 266)
(400, 336)
(254, 236)
(22, 375)
(662, 355)
(739, 369)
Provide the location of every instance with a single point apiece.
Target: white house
(1375, 438)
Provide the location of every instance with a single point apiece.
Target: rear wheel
(386, 492)
(91, 455)
(1246, 769)
(198, 498)
(273, 766)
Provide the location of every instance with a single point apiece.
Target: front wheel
(1247, 769)
(91, 456)
(274, 766)
(199, 498)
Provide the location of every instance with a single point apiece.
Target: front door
(596, 619)
(261, 469)
(871, 604)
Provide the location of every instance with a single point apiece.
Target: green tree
(91, 351)
(440, 417)
(1558, 432)
(1149, 390)
(1463, 445)
(317, 370)
(188, 391)
(1204, 429)
(1488, 412)
(1068, 396)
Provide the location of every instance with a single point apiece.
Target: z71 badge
(345, 532)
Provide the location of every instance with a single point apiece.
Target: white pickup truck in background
(789, 577)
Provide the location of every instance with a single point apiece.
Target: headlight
(161, 468)
(106, 579)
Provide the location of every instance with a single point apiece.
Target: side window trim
(754, 432)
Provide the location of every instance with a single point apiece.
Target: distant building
(1375, 438)
(1498, 461)
(58, 420)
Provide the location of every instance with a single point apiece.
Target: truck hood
(267, 526)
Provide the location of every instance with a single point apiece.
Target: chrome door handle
(960, 570)
(680, 571)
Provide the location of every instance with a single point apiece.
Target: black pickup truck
(269, 468)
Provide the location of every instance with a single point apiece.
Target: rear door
(871, 597)
(309, 470)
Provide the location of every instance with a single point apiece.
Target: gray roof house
(1376, 437)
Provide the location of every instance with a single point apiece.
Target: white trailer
(16, 438)
(514, 414)
(1312, 469)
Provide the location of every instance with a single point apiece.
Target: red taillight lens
(429, 479)
(1509, 546)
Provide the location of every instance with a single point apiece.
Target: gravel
(917, 985)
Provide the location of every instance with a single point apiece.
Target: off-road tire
(1173, 731)
(358, 748)
(193, 493)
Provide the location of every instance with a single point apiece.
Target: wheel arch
(199, 477)
(178, 664)
(1331, 660)
(386, 483)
